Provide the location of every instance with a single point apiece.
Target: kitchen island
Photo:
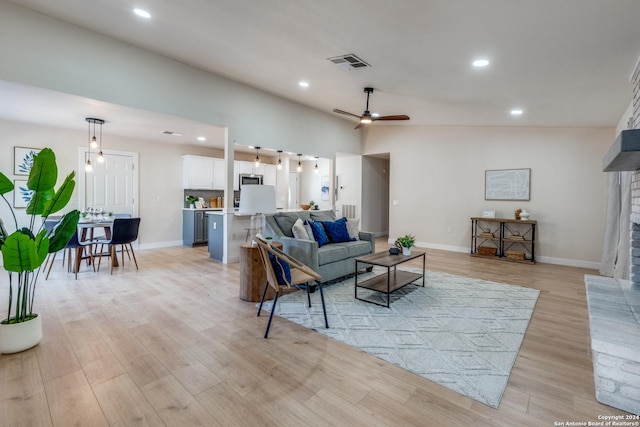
(236, 225)
(194, 226)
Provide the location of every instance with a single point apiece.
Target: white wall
(437, 177)
(310, 182)
(40, 51)
(349, 173)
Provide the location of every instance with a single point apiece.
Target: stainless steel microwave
(250, 179)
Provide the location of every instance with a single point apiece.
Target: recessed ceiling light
(202, 138)
(516, 112)
(480, 63)
(303, 84)
(142, 13)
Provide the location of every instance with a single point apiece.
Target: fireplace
(614, 323)
(614, 304)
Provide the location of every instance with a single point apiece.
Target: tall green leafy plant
(25, 250)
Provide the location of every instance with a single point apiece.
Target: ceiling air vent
(349, 61)
(168, 132)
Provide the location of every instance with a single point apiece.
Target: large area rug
(459, 332)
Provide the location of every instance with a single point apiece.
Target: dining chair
(49, 224)
(124, 231)
(285, 272)
(74, 253)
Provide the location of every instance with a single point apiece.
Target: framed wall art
(21, 193)
(23, 159)
(324, 187)
(507, 184)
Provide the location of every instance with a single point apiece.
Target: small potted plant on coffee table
(406, 242)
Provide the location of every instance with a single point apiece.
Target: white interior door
(112, 186)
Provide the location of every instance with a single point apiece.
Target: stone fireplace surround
(614, 304)
(614, 322)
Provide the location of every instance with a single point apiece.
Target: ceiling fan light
(366, 116)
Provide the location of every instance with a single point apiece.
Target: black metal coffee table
(394, 279)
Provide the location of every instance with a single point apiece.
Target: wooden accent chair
(284, 271)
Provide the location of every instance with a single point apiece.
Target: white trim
(158, 245)
(541, 259)
(569, 262)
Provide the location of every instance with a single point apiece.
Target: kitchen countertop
(202, 209)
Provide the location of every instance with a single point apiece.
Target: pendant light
(100, 155)
(299, 163)
(315, 170)
(93, 142)
(279, 160)
(88, 167)
(256, 163)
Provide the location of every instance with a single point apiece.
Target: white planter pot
(406, 251)
(20, 336)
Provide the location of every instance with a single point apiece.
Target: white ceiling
(565, 63)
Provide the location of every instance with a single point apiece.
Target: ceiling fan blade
(335, 110)
(397, 117)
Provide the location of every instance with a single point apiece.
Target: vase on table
(406, 251)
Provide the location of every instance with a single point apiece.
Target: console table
(505, 239)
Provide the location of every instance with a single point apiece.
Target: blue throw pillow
(319, 234)
(281, 269)
(337, 230)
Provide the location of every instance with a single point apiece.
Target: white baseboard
(569, 262)
(542, 259)
(160, 245)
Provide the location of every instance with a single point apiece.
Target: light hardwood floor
(172, 344)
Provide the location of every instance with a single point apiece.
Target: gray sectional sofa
(333, 260)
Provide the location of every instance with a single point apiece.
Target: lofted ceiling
(564, 63)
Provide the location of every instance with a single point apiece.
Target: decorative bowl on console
(305, 207)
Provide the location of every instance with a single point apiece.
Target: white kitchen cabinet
(219, 175)
(197, 172)
(269, 175)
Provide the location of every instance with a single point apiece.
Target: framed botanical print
(21, 194)
(23, 159)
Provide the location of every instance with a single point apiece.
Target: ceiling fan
(366, 117)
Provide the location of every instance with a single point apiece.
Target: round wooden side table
(252, 274)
